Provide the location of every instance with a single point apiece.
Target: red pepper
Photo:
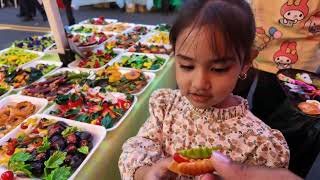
(23, 126)
(121, 103)
(8, 175)
(11, 146)
(95, 109)
(96, 64)
(35, 131)
(63, 108)
(99, 52)
(76, 103)
(179, 159)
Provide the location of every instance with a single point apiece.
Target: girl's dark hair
(233, 19)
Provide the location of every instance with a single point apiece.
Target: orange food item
(132, 75)
(309, 108)
(193, 168)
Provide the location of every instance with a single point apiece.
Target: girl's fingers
(208, 177)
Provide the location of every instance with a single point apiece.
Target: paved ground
(8, 16)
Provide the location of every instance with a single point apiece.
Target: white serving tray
(95, 29)
(118, 59)
(145, 39)
(116, 125)
(75, 64)
(61, 70)
(46, 49)
(34, 64)
(41, 54)
(98, 133)
(111, 21)
(150, 27)
(92, 47)
(130, 25)
(149, 75)
(149, 44)
(40, 103)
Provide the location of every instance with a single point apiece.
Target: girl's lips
(199, 98)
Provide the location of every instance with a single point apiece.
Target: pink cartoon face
(283, 62)
(293, 12)
(294, 16)
(313, 23)
(286, 56)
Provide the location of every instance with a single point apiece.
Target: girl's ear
(246, 67)
(254, 54)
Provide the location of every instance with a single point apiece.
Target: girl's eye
(220, 70)
(188, 68)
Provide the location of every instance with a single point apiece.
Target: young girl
(212, 40)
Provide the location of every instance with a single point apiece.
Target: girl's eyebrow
(222, 60)
(184, 57)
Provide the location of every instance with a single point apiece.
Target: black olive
(90, 145)
(37, 168)
(68, 159)
(62, 124)
(51, 152)
(55, 129)
(76, 161)
(55, 138)
(71, 148)
(85, 136)
(59, 144)
(41, 157)
(77, 134)
(71, 139)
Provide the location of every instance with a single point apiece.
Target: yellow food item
(159, 38)
(16, 57)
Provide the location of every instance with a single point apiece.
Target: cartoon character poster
(263, 38)
(293, 11)
(313, 23)
(286, 55)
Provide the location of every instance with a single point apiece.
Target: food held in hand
(96, 59)
(59, 83)
(23, 77)
(16, 57)
(35, 43)
(310, 107)
(117, 27)
(112, 80)
(89, 40)
(159, 38)
(193, 162)
(123, 41)
(154, 49)
(92, 106)
(46, 149)
(12, 115)
(138, 61)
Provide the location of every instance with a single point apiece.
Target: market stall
(72, 121)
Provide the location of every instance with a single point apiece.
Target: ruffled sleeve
(146, 148)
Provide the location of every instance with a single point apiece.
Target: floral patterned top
(175, 124)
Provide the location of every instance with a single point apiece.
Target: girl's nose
(201, 81)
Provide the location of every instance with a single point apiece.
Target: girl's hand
(228, 170)
(158, 171)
